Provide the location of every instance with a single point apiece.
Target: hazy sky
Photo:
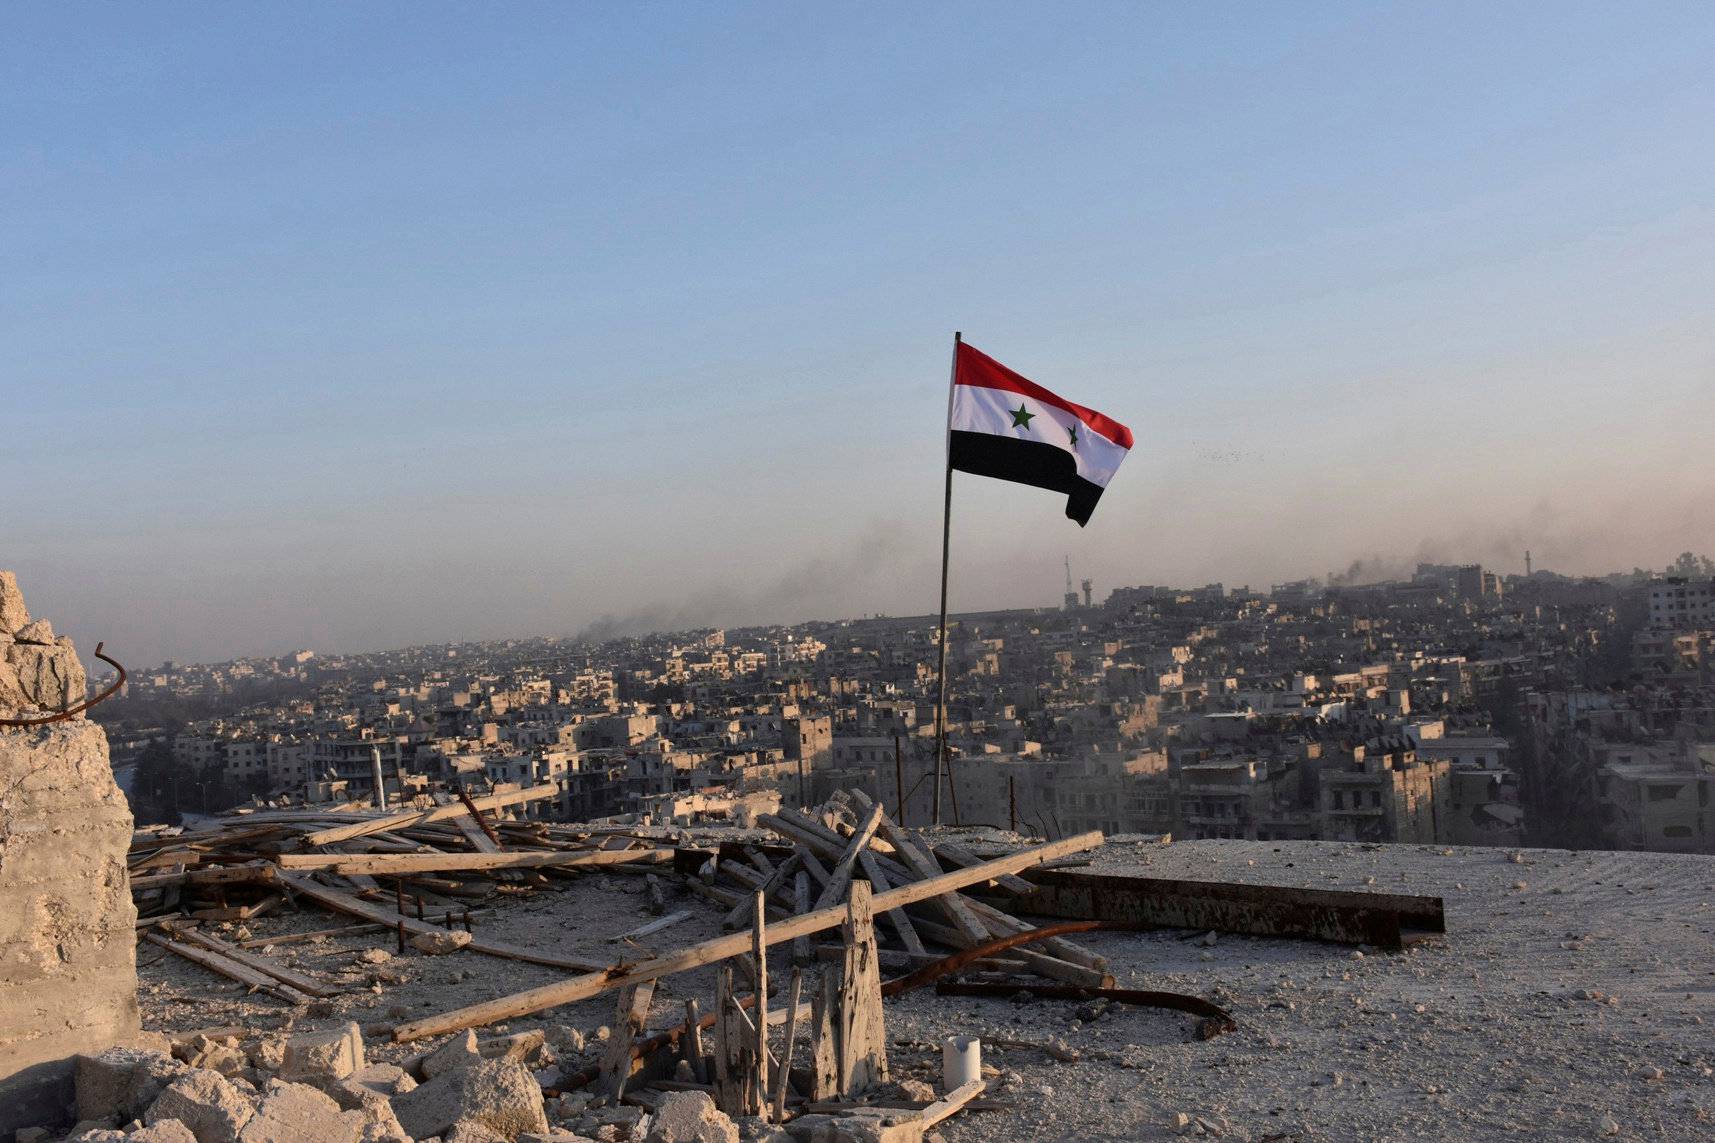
(358, 325)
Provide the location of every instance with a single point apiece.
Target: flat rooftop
(1570, 987)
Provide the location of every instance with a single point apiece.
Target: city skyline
(365, 330)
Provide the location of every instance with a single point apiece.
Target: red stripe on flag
(979, 370)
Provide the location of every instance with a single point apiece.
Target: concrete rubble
(68, 979)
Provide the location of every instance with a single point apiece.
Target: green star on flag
(1074, 431)
(1020, 418)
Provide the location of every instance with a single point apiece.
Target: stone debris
(295, 1113)
(206, 1102)
(223, 1056)
(501, 1095)
(459, 1052)
(441, 941)
(690, 1117)
(318, 1056)
(122, 1083)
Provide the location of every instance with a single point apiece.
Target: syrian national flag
(1006, 426)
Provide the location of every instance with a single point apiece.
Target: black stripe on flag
(1036, 463)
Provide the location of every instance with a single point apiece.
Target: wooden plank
(953, 907)
(653, 927)
(229, 968)
(801, 899)
(895, 917)
(950, 1104)
(1005, 925)
(780, 877)
(964, 859)
(693, 1043)
(841, 875)
(628, 1023)
(759, 953)
(407, 864)
(730, 945)
(862, 1032)
(780, 1081)
(293, 938)
(824, 1041)
(423, 817)
(343, 902)
(1038, 962)
(307, 985)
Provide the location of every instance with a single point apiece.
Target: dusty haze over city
(370, 332)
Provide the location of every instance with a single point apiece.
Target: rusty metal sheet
(1385, 920)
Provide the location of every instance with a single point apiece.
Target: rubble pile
(852, 835)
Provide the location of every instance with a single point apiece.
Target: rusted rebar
(73, 712)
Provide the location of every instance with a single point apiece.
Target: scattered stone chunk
(499, 1094)
(206, 1102)
(121, 1083)
(295, 1113)
(267, 1053)
(441, 941)
(691, 1117)
(521, 1046)
(459, 1052)
(216, 1055)
(331, 1055)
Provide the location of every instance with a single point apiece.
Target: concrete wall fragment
(68, 971)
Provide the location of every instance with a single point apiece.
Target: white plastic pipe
(961, 1061)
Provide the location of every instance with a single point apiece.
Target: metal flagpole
(946, 541)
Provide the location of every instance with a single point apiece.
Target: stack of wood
(410, 873)
(852, 837)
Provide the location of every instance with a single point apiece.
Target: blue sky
(360, 325)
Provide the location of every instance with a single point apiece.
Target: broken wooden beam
(262, 964)
(406, 864)
(730, 945)
(423, 817)
(342, 902)
(228, 968)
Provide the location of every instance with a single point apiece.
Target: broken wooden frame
(731, 945)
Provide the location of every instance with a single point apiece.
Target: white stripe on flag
(980, 410)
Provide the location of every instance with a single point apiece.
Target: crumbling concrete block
(441, 941)
(68, 976)
(372, 1097)
(499, 1094)
(206, 1102)
(520, 1046)
(223, 1056)
(266, 1053)
(296, 1113)
(323, 1056)
(459, 1052)
(47, 677)
(120, 1084)
(691, 1117)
